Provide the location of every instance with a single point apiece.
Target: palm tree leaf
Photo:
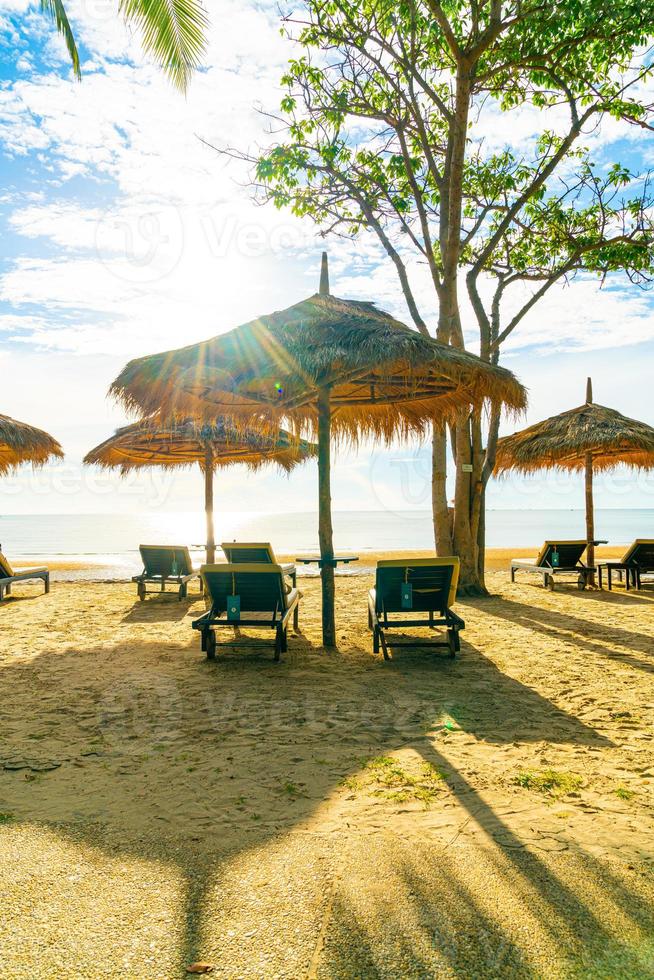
(57, 12)
(173, 31)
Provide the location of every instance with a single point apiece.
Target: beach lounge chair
(557, 558)
(638, 560)
(162, 564)
(247, 594)
(9, 575)
(257, 551)
(407, 587)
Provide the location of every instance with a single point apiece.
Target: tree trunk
(208, 505)
(440, 511)
(590, 515)
(465, 509)
(325, 531)
(481, 539)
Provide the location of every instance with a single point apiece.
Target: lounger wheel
(140, 591)
(183, 591)
(210, 644)
(581, 583)
(549, 582)
(453, 642)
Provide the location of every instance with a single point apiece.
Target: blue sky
(122, 233)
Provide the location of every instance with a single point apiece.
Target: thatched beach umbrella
(212, 445)
(329, 366)
(22, 443)
(591, 438)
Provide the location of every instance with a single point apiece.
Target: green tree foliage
(384, 126)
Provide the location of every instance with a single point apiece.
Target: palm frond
(57, 12)
(173, 32)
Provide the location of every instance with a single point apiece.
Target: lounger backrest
(6, 571)
(433, 584)
(159, 559)
(259, 587)
(641, 552)
(238, 551)
(570, 553)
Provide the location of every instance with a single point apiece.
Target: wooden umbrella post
(208, 505)
(325, 530)
(590, 517)
(590, 511)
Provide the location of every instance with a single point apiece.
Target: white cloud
(177, 249)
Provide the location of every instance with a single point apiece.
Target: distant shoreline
(67, 570)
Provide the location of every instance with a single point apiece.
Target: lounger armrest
(525, 563)
(203, 620)
(293, 599)
(454, 619)
(24, 575)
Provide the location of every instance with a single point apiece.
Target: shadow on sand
(211, 767)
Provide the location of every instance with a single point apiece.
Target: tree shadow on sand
(637, 648)
(214, 768)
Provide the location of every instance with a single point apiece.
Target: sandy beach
(332, 816)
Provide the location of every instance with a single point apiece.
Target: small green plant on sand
(387, 778)
(549, 781)
(623, 793)
(6, 817)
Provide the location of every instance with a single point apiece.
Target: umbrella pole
(590, 516)
(590, 510)
(325, 530)
(208, 505)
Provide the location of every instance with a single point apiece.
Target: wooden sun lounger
(638, 560)
(247, 594)
(569, 563)
(9, 576)
(163, 564)
(256, 551)
(424, 585)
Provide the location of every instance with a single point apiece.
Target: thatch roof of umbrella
(185, 442)
(22, 443)
(589, 438)
(331, 366)
(384, 377)
(563, 442)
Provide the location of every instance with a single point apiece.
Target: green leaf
(173, 32)
(57, 12)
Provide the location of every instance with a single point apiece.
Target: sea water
(112, 540)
